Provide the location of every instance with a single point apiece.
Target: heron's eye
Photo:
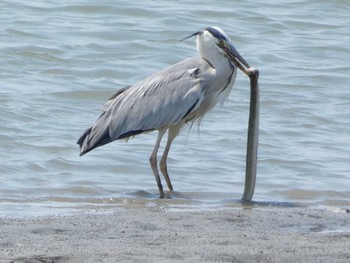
(221, 42)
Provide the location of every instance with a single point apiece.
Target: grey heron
(167, 100)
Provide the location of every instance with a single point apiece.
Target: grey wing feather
(161, 100)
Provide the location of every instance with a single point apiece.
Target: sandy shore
(158, 235)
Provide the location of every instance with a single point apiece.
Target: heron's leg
(173, 131)
(153, 161)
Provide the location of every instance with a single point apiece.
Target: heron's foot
(170, 187)
(161, 195)
(161, 192)
(168, 195)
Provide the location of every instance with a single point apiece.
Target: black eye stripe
(216, 33)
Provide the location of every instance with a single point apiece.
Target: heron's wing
(161, 100)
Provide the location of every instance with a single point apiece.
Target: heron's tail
(88, 142)
(81, 141)
(98, 134)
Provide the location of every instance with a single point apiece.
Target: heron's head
(213, 40)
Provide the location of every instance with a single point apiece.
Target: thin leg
(173, 131)
(153, 162)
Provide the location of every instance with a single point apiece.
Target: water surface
(60, 61)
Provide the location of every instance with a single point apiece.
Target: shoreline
(159, 235)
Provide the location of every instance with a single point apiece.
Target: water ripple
(62, 60)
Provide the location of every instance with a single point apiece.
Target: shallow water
(60, 61)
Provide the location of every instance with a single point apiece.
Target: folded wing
(161, 100)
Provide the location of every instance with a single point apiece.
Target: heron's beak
(237, 59)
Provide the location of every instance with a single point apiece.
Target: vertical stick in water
(253, 134)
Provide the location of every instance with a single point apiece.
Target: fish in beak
(236, 58)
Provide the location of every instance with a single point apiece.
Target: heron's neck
(221, 64)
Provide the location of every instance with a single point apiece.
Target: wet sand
(160, 235)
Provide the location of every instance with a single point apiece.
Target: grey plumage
(185, 91)
(170, 98)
